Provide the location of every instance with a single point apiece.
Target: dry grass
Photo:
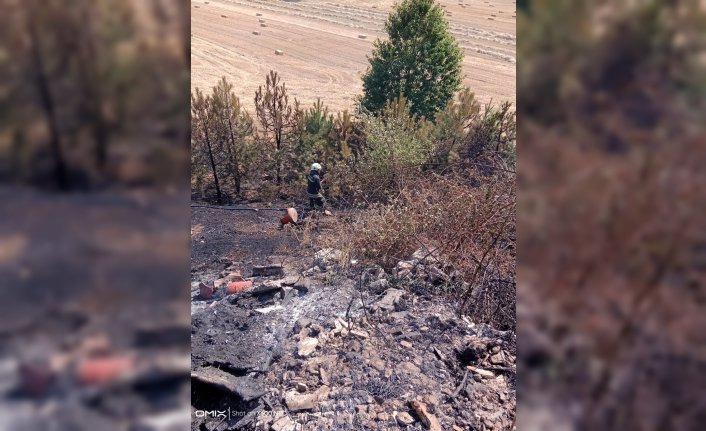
(472, 228)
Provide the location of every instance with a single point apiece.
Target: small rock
(327, 257)
(296, 401)
(359, 334)
(497, 359)
(380, 284)
(403, 273)
(406, 344)
(383, 417)
(404, 265)
(307, 346)
(481, 372)
(428, 419)
(324, 376)
(284, 424)
(392, 296)
(267, 310)
(404, 418)
(205, 291)
(267, 270)
(301, 387)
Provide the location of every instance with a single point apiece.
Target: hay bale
(279, 52)
(263, 25)
(224, 16)
(362, 36)
(258, 14)
(256, 33)
(261, 20)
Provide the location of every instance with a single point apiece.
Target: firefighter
(313, 188)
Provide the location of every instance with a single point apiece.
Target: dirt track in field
(323, 54)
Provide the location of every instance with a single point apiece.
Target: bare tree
(237, 126)
(42, 81)
(202, 118)
(277, 117)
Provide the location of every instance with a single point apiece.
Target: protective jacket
(313, 187)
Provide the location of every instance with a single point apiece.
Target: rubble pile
(307, 351)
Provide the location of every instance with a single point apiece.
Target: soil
(332, 343)
(323, 55)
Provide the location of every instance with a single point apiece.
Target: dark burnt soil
(221, 238)
(322, 347)
(86, 277)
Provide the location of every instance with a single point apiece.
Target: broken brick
(238, 286)
(91, 371)
(205, 291)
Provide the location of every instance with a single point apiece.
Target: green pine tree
(420, 61)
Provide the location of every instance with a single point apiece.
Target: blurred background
(94, 221)
(612, 246)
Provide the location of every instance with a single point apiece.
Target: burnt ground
(90, 283)
(333, 343)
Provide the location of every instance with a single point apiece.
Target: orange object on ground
(290, 217)
(238, 286)
(91, 371)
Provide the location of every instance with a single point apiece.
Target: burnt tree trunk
(48, 106)
(213, 166)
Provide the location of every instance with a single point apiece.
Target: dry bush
(612, 248)
(472, 228)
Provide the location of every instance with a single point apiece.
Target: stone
(481, 372)
(205, 291)
(296, 401)
(324, 376)
(244, 387)
(307, 346)
(497, 359)
(379, 285)
(436, 275)
(267, 310)
(429, 420)
(392, 296)
(266, 287)
(404, 265)
(327, 257)
(267, 270)
(424, 255)
(301, 387)
(403, 273)
(288, 293)
(406, 344)
(404, 419)
(284, 424)
(359, 334)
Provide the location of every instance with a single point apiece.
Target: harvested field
(325, 55)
